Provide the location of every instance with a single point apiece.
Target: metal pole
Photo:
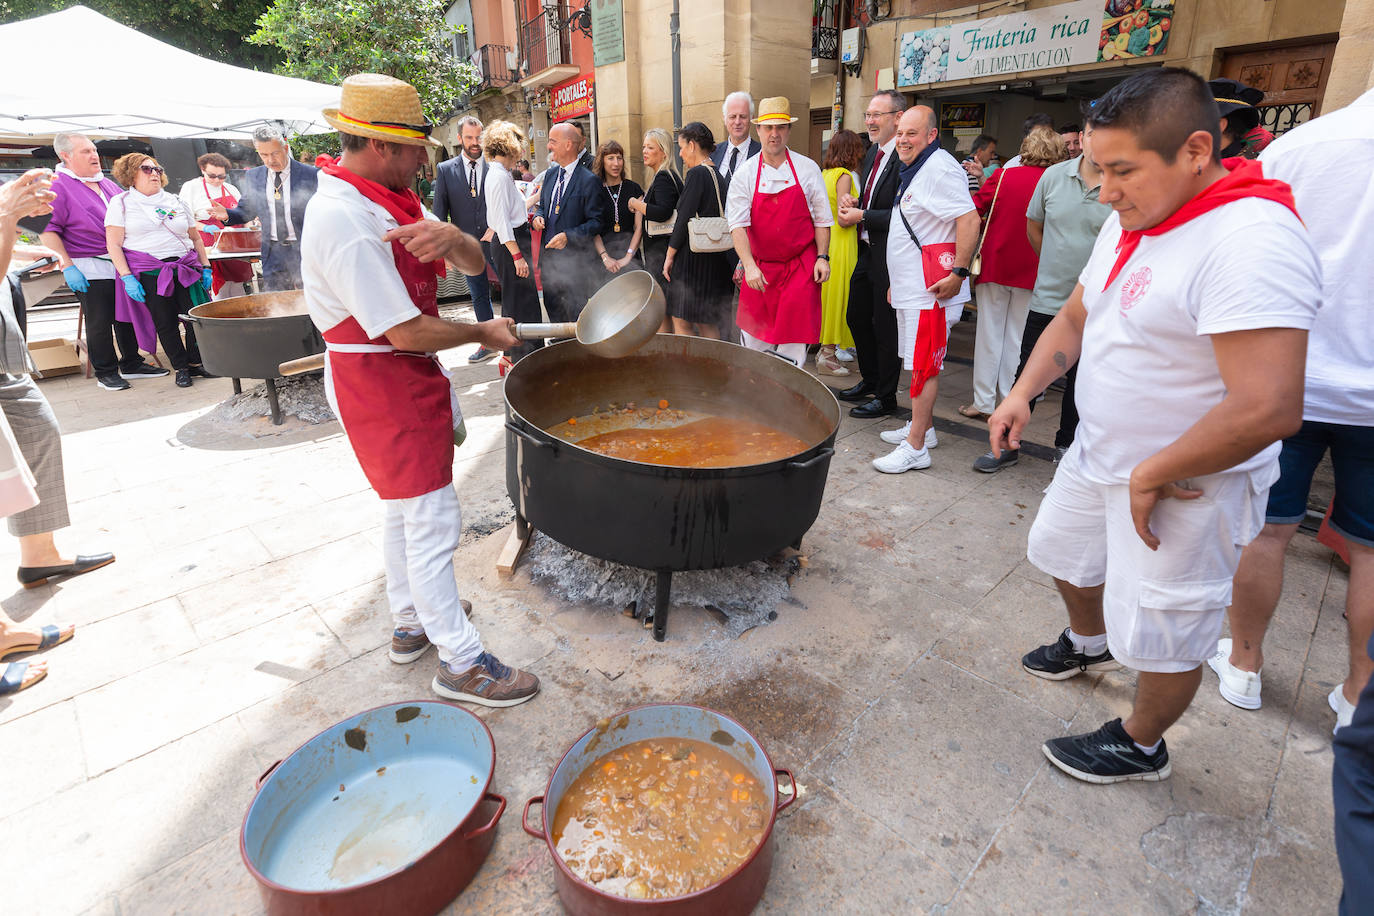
(676, 40)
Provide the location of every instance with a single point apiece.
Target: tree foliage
(214, 29)
(328, 40)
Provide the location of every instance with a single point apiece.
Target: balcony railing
(543, 45)
(825, 30)
(496, 67)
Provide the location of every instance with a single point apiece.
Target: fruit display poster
(1135, 28)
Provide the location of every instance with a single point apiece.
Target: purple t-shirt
(78, 215)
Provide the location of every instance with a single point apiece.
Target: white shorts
(1164, 608)
(908, 320)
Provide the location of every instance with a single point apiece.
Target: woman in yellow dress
(842, 161)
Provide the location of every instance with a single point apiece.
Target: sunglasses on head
(151, 169)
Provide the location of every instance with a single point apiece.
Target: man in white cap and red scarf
(371, 258)
(780, 219)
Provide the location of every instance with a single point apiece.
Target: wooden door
(1292, 78)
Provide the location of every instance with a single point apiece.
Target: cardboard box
(55, 357)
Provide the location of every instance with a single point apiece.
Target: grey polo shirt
(1072, 217)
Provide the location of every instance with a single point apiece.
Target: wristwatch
(823, 257)
(959, 271)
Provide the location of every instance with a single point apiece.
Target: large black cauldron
(655, 517)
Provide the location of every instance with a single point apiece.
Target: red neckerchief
(405, 208)
(1245, 178)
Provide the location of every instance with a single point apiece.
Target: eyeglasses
(151, 169)
(215, 175)
(875, 115)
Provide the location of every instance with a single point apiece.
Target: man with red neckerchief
(371, 257)
(1190, 371)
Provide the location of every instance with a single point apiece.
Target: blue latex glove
(76, 280)
(133, 288)
(207, 278)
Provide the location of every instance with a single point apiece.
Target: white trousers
(420, 535)
(794, 353)
(997, 344)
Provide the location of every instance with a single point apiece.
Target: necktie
(872, 179)
(280, 229)
(558, 191)
(734, 161)
(472, 178)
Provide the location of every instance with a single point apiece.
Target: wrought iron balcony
(825, 30)
(545, 46)
(496, 67)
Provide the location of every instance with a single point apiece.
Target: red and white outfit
(1147, 374)
(397, 407)
(780, 208)
(198, 195)
(934, 200)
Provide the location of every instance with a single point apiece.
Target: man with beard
(460, 197)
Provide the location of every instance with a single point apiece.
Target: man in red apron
(370, 261)
(780, 219)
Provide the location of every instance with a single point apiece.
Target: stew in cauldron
(660, 818)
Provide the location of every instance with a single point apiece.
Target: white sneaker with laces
(845, 354)
(1238, 687)
(1343, 708)
(893, 436)
(903, 458)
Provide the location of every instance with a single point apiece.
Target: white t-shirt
(739, 202)
(158, 225)
(936, 197)
(1328, 162)
(1148, 371)
(346, 268)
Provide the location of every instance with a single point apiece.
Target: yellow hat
(776, 110)
(383, 108)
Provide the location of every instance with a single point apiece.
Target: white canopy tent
(75, 70)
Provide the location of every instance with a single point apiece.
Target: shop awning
(75, 70)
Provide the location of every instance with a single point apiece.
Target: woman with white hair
(658, 205)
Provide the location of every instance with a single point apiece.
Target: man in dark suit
(573, 209)
(870, 316)
(737, 146)
(460, 197)
(276, 193)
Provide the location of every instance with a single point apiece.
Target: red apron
(396, 406)
(789, 308)
(223, 271)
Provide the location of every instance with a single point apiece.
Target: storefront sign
(963, 116)
(1069, 34)
(608, 32)
(573, 99)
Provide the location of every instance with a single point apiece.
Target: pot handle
(491, 824)
(526, 436)
(266, 773)
(822, 455)
(189, 318)
(783, 771)
(525, 817)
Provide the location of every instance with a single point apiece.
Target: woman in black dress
(701, 288)
(657, 206)
(619, 244)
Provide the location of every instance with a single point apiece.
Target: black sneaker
(198, 371)
(143, 370)
(183, 378)
(1059, 660)
(1107, 755)
(990, 465)
(112, 382)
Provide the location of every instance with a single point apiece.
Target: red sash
(782, 238)
(395, 406)
(1245, 179)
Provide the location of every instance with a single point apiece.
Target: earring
(1199, 170)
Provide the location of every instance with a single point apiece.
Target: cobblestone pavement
(246, 612)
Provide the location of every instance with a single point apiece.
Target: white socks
(1088, 645)
(1148, 750)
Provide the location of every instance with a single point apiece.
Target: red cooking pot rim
(266, 777)
(767, 833)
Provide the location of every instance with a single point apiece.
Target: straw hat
(383, 108)
(775, 110)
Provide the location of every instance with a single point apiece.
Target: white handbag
(660, 228)
(710, 234)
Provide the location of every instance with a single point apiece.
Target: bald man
(573, 210)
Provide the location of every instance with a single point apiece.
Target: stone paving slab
(247, 612)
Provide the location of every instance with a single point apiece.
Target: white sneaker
(1237, 687)
(845, 354)
(903, 458)
(931, 441)
(893, 436)
(1343, 708)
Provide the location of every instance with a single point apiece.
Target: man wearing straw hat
(780, 219)
(371, 260)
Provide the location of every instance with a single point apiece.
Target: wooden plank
(510, 554)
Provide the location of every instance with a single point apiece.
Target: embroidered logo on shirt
(1135, 288)
(166, 214)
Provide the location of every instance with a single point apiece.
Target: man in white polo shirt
(1190, 369)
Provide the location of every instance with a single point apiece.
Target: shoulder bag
(936, 259)
(975, 266)
(710, 234)
(659, 228)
